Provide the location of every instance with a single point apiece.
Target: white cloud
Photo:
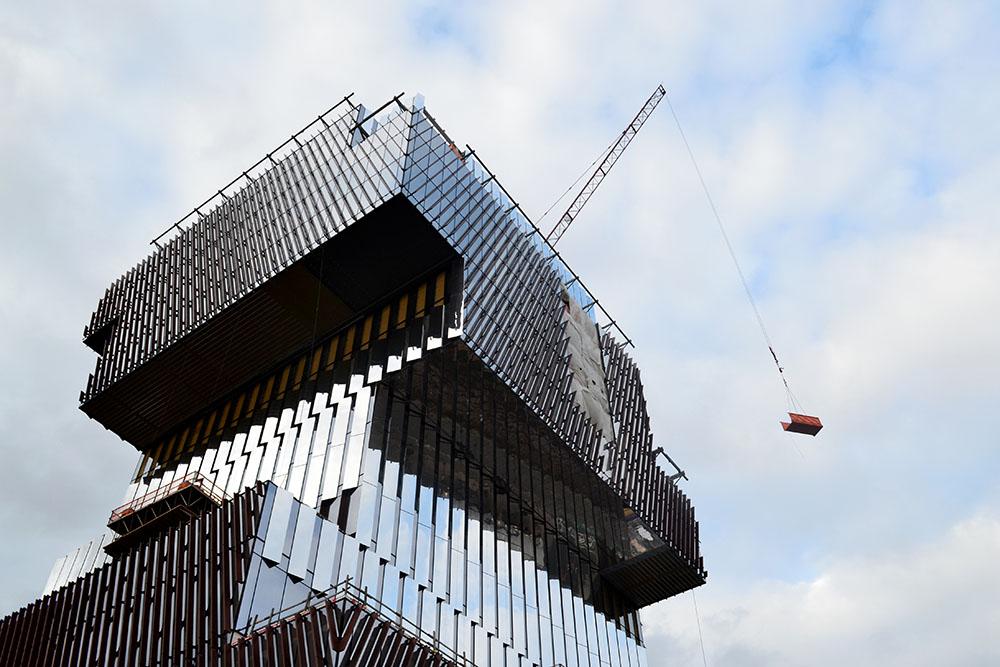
(930, 605)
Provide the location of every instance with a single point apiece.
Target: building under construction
(379, 421)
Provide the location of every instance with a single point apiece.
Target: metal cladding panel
(78, 563)
(511, 310)
(468, 503)
(276, 217)
(326, 551)
(305, 424)
(303, 543)
(173, 600)
(515, 322)
(166, 601)
(278, 524)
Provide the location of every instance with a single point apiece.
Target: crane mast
(602, 170)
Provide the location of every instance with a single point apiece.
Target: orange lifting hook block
(802, 424)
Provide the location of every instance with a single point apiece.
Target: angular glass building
(379, 421)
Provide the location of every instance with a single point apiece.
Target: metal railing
(192, 479)
(348, 592)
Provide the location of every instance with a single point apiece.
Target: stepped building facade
(379, 421)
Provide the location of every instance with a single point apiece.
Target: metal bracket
(360, 124)
(680, 474)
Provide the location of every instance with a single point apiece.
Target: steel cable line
(573, 184)
(701, 639)
(736, 262)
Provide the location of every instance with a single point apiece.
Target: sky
(853, 152)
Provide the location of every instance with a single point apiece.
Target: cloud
(934, 604)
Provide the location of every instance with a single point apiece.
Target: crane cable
(579, 178)
(736, 262)
(701, 638)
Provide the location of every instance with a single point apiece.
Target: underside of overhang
(372, 259)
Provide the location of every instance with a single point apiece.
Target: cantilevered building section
(378, 420)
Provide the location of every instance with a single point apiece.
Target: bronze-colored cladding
(135, 609)
(172, 600)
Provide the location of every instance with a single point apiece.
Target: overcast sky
(853, 150)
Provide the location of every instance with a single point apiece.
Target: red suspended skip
(799, 423)
(802, 424)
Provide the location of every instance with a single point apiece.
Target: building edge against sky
(376, 413)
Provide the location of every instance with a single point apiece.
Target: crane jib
(602, 170)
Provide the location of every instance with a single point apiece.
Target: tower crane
(602, 170)
(798, 423)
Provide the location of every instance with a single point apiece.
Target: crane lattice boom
(602, 170)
